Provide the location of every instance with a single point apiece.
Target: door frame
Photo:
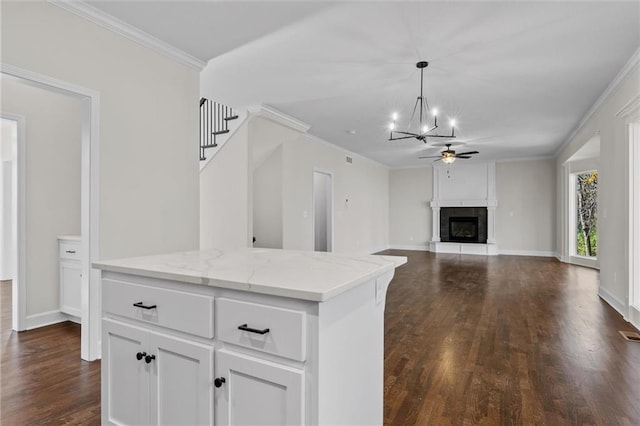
(18, 243)
(630, 114)
(89, 196)
(330, 217)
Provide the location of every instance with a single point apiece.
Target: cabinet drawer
(190, 313)
(264, 328)
(70, 250)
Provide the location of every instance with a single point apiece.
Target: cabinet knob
(140, 355)
(149, 358)
(219, 381)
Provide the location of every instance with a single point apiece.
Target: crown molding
(134, 34)
(630, 107)
(624, 72)
(279, 117)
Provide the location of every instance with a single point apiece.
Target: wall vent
(349, 160)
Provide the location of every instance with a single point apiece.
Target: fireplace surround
(464, 205)
(463, 224)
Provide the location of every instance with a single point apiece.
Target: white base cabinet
(155, 379)
(228, 357)
(70, 275)
(258, 392)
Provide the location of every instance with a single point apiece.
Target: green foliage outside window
(587, 212)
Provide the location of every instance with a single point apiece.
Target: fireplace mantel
(472, 185)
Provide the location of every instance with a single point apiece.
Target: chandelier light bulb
(424, 129)
(392, 126)
(452, 122)
(394, 116)
(434, 112)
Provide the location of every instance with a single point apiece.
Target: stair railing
(214, 121)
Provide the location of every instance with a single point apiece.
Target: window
(586, 202)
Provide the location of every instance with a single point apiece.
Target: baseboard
(534, 253)
(587, 263)
(634, 317)
(374, 250)
(44, 319)
(612, 300)
(409, 247)
(73, 318)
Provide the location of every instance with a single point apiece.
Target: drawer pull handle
(143, 306)
(71, 251)
(244, 327)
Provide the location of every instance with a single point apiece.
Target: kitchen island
(244, 337)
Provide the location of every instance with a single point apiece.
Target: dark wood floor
(469, 340)
(44, 381)
(505, 340)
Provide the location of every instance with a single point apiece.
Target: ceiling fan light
(448, 159)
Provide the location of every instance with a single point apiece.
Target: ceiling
(517, 76)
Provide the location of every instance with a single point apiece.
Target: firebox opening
(463, 224)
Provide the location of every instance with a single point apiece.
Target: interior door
(256, 392)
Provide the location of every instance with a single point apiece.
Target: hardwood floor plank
(44, 381)
(505, 340)
(469, 340)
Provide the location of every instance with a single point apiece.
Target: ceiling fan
(448, 156)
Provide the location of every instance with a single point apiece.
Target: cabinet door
(181, 382)
(257, 392)
(125, 379)
(70, 280)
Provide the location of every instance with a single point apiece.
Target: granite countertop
(306, 275)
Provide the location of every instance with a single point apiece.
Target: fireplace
(463, 224)
(463, 229)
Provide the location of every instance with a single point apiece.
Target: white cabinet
(257, 392)
(70, 275)
(238, 357)
(152, 378)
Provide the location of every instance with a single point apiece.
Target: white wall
(410, 192)
(361, 197)
(613, 188)
(148, 172)
(267, 201)
(361, 223)
(53, 124)
(224, 197)
(526, 212)
(9, 134)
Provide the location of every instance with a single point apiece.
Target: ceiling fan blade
(469, 153)
(433, 156)
(403, 137)
(462, 156)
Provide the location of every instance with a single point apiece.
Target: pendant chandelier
(424, 129)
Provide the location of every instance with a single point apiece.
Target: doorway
(90, 279)
(9, 143)
(322, 211)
